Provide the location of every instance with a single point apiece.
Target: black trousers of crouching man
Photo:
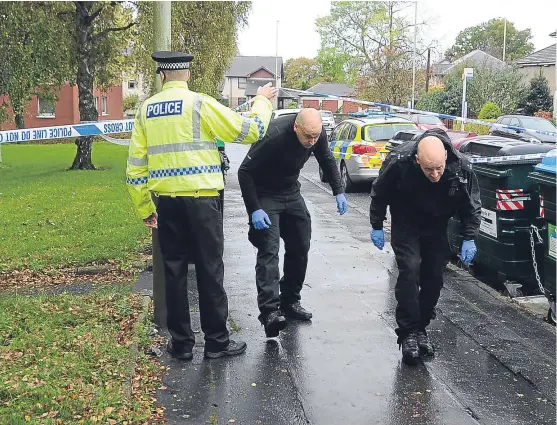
(192, 228)
(291, 221)
(421, 256)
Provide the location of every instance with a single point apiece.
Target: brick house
(332, 89)
(249, 72)
(42, 113)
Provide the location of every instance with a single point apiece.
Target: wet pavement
(495, 364)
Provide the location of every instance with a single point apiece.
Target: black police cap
(171, 61)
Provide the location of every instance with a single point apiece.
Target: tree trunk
(85, 81)
(19, 121)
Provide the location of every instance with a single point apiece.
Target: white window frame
(96, 100)
(131, 84)
(242, 80)
(45, 115)
(104, 105)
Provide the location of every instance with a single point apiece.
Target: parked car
(358, 144)
(426, 122)
(280, 112)
(328, 120)
(530, 123)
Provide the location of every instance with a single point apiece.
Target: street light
(554, 35)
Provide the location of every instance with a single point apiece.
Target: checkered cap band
(173, 65)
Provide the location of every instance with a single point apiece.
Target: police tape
(68, 131)
(417, 111)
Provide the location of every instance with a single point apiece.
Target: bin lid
(549, 162)
(502, 146)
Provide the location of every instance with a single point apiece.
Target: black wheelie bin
(545, 176)
(510, 206)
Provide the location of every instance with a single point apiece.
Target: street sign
(468, 74)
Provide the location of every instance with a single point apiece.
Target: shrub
(489, 111)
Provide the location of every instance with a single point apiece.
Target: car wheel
(322, 176)
(345, 179)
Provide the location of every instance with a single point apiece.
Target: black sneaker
(232, 349)
(274, 323)
(410, 351)
(425, 346)
(178, 353)
(296, 311)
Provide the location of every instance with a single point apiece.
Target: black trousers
(192, 228)
(421, 257)
(290, 220)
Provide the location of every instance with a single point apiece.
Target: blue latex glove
(342, 204)
(468, 252)
(378, 238)
(260, 220)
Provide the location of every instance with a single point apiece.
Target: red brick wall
(330, 105)
(66, 110)
(348, 107)
(310, 104)
(262, 74)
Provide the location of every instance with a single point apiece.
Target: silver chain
(532, 230)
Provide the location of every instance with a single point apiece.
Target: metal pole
(276, 61)
(162, 14)
(555, 94)
(463, 111)
(414, 52)
(504, 39)
(427, 70)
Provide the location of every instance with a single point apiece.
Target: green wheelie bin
(545, 176)
(510, 206)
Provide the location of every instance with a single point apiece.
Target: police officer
(424, 183)
(173, 154)
(268, 179)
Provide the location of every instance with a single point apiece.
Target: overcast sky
(446, 18)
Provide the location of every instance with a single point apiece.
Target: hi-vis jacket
(173, 148)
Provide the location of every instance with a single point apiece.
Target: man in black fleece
(424, 182)
(268, 179)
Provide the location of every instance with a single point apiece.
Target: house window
(241, 100)
(105, 105)
(96, 100)
(242, 82)
(131, 84)
(46, 108)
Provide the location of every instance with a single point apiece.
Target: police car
(358, 145)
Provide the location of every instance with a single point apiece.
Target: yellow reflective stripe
(196, 118)
(246, 123)
(181, 147)
(138, 162)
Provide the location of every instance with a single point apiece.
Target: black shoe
(410, 350)
(232, 349)
(425, 346)
(274, 323)
(296, 311)
(178, 353)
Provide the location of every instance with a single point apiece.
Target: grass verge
(65, 359)
(52, 218)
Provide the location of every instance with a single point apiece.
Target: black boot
(410, 351)
(177, 352)
(296, 311)
(274, 322)
(232, 349)
(426, 347)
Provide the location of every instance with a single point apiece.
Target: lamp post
(554, 34)
(162, 34)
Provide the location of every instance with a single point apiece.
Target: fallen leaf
(254, 384)
(108, 410)
(231, 421)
